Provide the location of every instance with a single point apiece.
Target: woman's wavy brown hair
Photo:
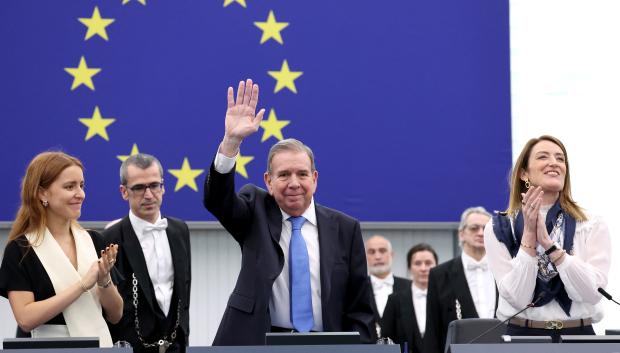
(517, 186)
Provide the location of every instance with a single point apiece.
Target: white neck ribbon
(84, 316)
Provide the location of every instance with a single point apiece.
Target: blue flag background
(406, 104)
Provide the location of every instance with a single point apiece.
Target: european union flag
(406, 104)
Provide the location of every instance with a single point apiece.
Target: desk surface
(537, 348)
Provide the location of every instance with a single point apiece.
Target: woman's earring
(527, 184)
(45, 203)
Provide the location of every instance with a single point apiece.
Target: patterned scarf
(554, 288)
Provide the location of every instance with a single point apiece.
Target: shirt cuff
(223, 164)
(565, 263)
(524, 257)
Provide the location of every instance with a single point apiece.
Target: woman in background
(546, 250)
(51, 265)
(404, 318)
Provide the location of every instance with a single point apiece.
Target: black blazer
(130, 259)
(399, 321)
(254, 220)
(446, 284)
(399, 285)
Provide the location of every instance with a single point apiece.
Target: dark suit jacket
(399, 322)
(446, 284)
(254, 219)
(130, 259)
(399, 285)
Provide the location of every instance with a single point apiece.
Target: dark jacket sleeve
(434, 339)
(359, 310)
(231, 209)
(388, 320)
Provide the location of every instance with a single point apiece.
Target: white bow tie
(162, 224)
(475, 266)
(380, 283)
(419, 294)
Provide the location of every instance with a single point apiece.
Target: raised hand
(542, 236)
(530, 208)
(241, 118)
(106, 262)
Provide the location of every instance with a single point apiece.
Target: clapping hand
(106, 262)
(530, 208)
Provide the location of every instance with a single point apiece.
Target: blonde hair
(517, 186)
(42, 171)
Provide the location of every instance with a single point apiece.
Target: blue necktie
(299, 279)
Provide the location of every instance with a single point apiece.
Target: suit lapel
(274, 219)
(461, 289)
(407, 314)
(408, 318)
(401, 284)
(373, 304)
(135, 257)
(179, 260)
(328, 243)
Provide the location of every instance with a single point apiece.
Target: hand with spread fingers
(106, 262)
(241, 117)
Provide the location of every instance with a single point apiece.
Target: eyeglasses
(140, 189)
(474, 227)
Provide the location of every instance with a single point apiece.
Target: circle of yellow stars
(96, 26)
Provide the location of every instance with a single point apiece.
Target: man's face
(472, 236)
(379, 256)
(143, 193)
(292, 182)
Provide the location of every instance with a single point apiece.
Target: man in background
(462, 287)
(154, 258)
(379, 256)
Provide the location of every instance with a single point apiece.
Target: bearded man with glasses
(155, 260)
(462, 287)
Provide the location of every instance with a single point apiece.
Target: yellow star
(96, 25)
(271, 28)
(228, 2)
(82, 75)
(241, 162)
(96, 125)
(273, 126)
(143, 2)
(285, 77)
(186, 176)
(134, 150)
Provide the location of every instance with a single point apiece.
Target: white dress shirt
(280, 302)
(481, 285)
(419, 305)
(158, 258)
(382, 288)
(582, 272)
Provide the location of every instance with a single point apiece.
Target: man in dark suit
(379, 256)
(462, 287)
(155, 260)
(303, 266)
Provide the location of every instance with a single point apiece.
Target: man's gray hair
(467, 212)
(142, 161)
(291, 145)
